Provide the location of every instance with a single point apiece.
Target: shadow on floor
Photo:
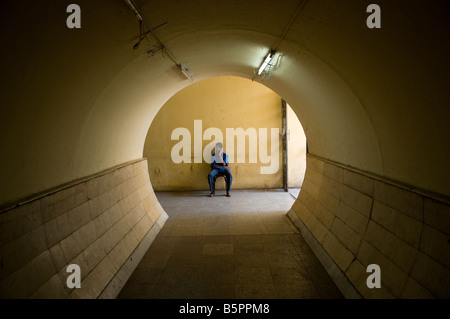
(242, 247)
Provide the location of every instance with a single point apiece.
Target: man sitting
(219, 165)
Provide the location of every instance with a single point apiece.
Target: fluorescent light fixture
(266, 62)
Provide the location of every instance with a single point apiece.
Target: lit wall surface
(237, 112)
(77, 103)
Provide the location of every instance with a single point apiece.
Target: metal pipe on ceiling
(137, 12)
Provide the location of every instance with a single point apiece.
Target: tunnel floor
(242, 247)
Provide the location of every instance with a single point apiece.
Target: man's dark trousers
(219, 170)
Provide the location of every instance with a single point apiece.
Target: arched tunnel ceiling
(78, 101)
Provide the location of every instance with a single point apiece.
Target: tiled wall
(103, 224)
(359, 220)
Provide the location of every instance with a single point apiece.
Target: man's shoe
(211, 194)
(228, 194)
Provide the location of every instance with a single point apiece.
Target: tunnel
(82, 84)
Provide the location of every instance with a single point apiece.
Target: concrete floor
(242, 247)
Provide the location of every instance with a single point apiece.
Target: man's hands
(224, 165)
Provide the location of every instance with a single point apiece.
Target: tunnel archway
(82, 105)
(245, 116)
(326, 104)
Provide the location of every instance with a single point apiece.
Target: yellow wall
(225, 102)
(296, 144)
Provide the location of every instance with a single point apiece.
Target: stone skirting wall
(354, 220)
(104, 224)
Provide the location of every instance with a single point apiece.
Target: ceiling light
(266, 62)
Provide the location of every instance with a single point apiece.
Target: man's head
(219, 147)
